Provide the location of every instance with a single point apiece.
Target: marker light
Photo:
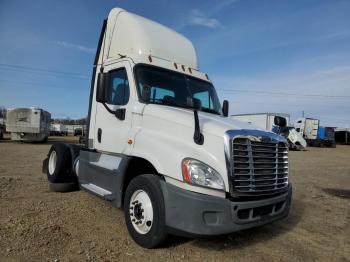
(199, 174)
(150, 58)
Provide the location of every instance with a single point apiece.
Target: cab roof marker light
(183, 68)
(175, 65)
(150, 58)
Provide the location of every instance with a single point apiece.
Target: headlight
(197, 173)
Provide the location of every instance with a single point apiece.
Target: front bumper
(194, 214)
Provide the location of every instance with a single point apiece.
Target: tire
(63, 187)
(152, 231)
(59, 164)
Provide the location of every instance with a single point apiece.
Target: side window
(205, 99)
(119, 92)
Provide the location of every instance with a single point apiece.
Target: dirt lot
(37, 225)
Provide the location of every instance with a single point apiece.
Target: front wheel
(144, 211)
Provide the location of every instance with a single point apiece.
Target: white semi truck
(160, 145)
(267, 121)
(28, 124)
(308, 128)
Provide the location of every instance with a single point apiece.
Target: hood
(209, 123)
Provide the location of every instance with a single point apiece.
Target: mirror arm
(225, 108)
(119, 113)
(197, 136)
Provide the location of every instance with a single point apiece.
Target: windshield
(165, 87)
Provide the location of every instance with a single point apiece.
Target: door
(111, 132)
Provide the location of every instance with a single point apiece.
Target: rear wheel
(145, 212)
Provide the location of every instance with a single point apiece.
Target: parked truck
(267, 121)
(57, 129)
(160, 145)
(2, 131)
(325, 137)
(28, 124)
(308, 128)
(2, 127)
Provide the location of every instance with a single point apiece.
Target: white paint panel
(108, 161)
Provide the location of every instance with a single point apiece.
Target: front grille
(259, 167)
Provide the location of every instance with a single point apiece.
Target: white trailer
(266, 121)
(58, 130)
(161, 146)
(262, 120)
(28, 124)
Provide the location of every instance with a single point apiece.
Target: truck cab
(308, 128)
(159, 143)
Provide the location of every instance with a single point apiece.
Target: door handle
(99, 135)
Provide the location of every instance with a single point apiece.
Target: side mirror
(225, 108)
(102, 87)
(196, 103)
(280, 121)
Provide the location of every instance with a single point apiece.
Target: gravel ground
(38, 225)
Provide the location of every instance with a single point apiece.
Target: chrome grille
(259, 166)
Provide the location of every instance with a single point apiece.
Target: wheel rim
(141, 212)
(52, 162)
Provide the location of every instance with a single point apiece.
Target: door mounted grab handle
(99, 135)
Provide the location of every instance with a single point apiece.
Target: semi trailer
(342, 135)
(58, 130)
(2, 131)
(325, 137)
(28, 124)
(267, 121)
(161, 146)
(2, 127)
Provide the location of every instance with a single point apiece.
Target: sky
(263, 56)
